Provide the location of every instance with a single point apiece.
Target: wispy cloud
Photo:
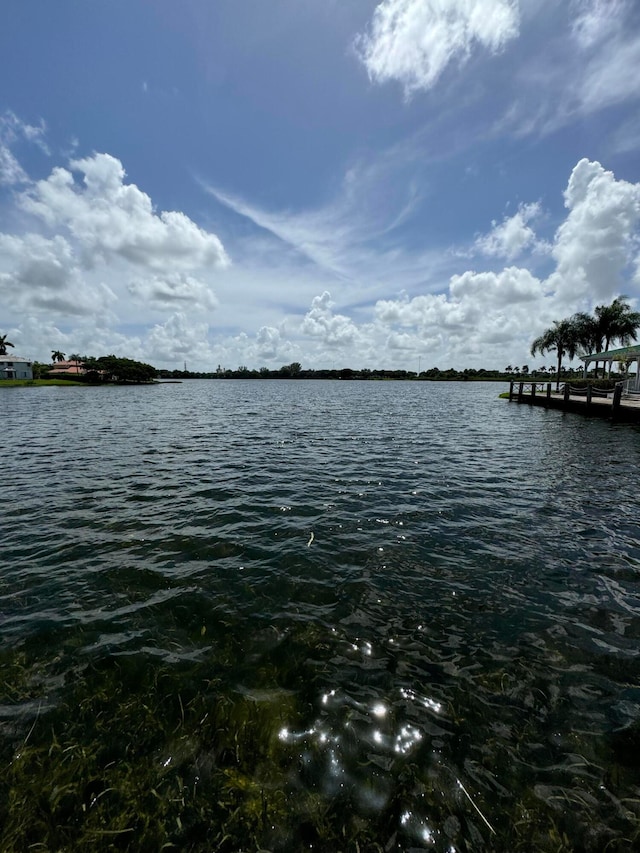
(590, 47)
(414, 41)
(12, 131)
(352, 236)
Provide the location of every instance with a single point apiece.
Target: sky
(401, 184)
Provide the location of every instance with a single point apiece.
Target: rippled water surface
(290, 615)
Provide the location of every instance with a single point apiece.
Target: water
(317, 615)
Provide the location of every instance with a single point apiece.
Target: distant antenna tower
(185, 367)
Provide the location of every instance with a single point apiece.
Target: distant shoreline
(46, 383)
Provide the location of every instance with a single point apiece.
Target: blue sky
(361, 184)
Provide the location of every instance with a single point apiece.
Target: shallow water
(418, 603)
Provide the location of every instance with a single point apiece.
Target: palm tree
(4, 343)
(617, 322)
(564, 337)
(78, 360)
(56, 355)
(589, 333)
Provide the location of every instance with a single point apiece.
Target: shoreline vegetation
(575, 376)
(177, 376)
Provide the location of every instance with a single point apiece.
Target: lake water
(280, 615)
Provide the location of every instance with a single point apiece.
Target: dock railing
(631, 388)
(539, 393)
(531, 388)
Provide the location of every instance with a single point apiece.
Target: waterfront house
(14, 367)
(67, 368)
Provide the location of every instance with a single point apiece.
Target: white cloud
(595, 20)
(595, 243)
(484, 312)
(41, 274)
(413, 41)
(607, 79)
(334, 330)
(173, 289)
(510, 287)
(480, 315)
(269, 342)
(110, 218)
(270, 347)
(585, 67)
(512, 236)
(11, 172)
(12, 130)
(177, 340)
(105, 256)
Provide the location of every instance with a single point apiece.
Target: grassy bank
(23, 383)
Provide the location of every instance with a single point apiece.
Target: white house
(14, 367)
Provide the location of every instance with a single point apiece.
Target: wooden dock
(585, 401)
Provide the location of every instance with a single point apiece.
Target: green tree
(4, 343)
(614, 322)
(564, 337)
(39, 370)
(124, 369)
(56, 355)
(292, 370)
(617, 322)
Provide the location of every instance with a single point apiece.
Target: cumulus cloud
(433, 314)
(269, 342)
(95, 253)
(413, 41)
(509, 238)
(334, 330)
(40, 273)
(177, 339)
(595, 243)
(480, 314)
(110, 218)
(594, 250)
(509, 287)
(172, 289)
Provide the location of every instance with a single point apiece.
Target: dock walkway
(585, 401)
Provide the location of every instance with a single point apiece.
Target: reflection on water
(307, 615)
